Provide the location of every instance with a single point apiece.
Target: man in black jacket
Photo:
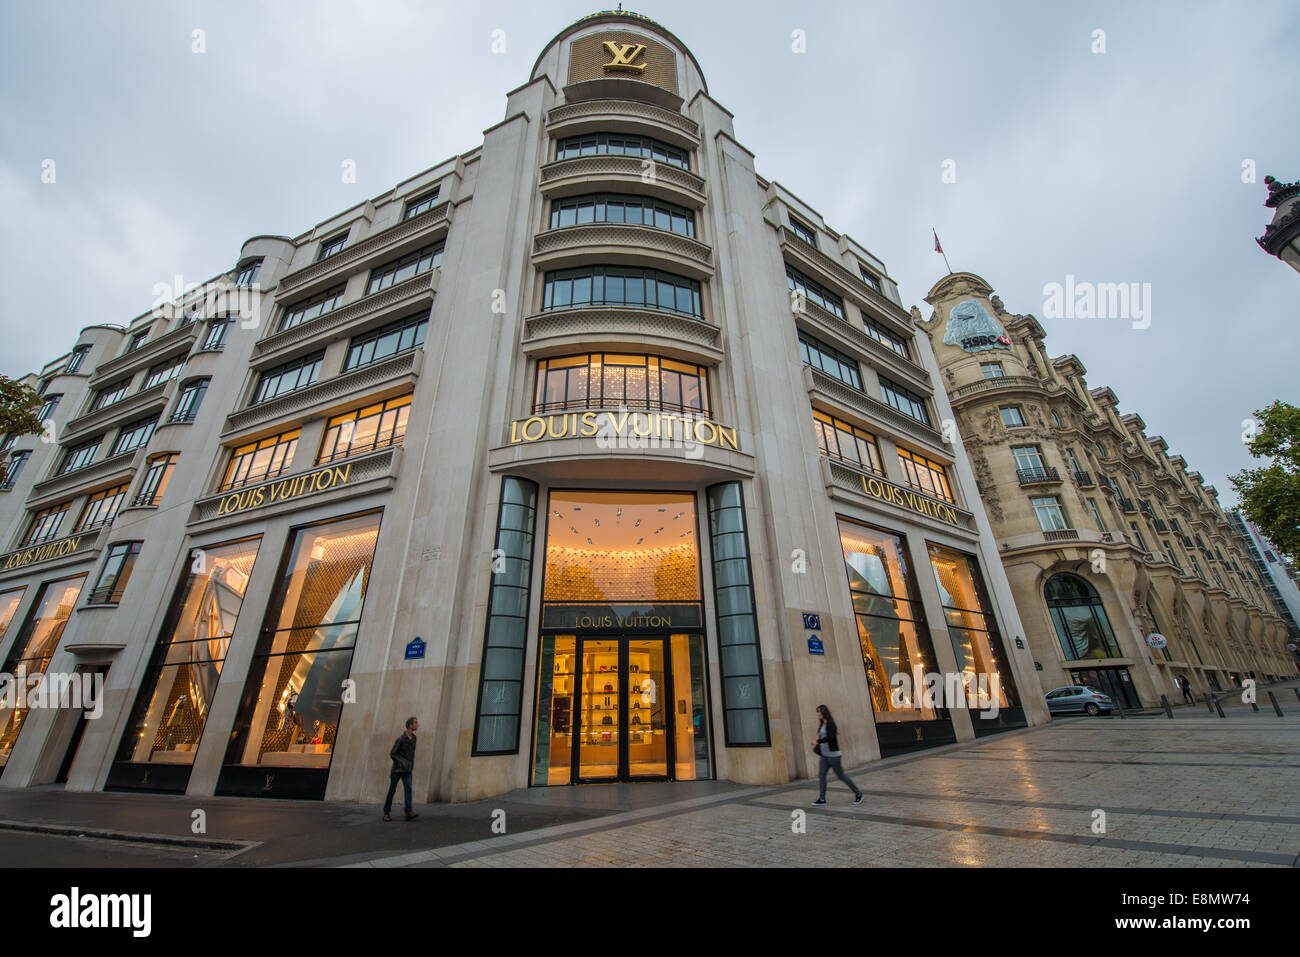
(403, 755)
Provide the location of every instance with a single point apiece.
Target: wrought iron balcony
(1127, 504)
(1084, 479)
(1160, 524)
(1061, 535)
(1038, 475)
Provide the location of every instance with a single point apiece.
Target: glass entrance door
(621, 708)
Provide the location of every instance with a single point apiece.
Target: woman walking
(827, 746)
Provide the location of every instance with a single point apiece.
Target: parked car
(1078, 698)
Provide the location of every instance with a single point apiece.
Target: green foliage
(18, 407)
(1270, 496)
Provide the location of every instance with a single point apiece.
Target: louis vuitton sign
(619, 53)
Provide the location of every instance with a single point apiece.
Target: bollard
(1297, 692)
(1209, 703)
(1164, 703)
(1276, 707)
(1120, 708)
(1254, 706)
(1218, 708)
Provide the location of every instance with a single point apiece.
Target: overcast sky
(1122, 166)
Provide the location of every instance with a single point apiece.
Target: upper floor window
(924, 475)
(115, 574)
(77, 358)
(1012, 417)
(408, 266)
(621, 286)
(366, 429)
(1137, 536)
(101, 508)
(191, 396)
(1048, 511)
(870, 278)
(329, 247)
(217, 332)
(137, 340)
(389, 340)
(904, 400)
(830, 360)
(615, 208)
(247, 273)
(45, 524)
(608, 381)
(288, 377)
(156, 478)
(887, 337)
(110, 394)
(620, 144)
(803, 232)
(133, 435)
(263, 459)
(421, 204)
(9, 441)
(845, 441)
(812, 290)
(1056, 419)
(51, 403)
(1029, 458)
(1096, 515)
(79, 456)
(164, 372)
(317, 305)
(992, 370)
(14, 467)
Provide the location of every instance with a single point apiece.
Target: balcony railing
(1084, 479)
(1127, 504)
(1161, 525)
(1061, 535)
(1038, 475)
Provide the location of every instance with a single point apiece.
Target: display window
(293, 698)
(971, 624)
(890, 621)
(180, 682)
(34, 647)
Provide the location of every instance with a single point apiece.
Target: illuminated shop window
(841, 440)
(101, 508)
(9, 602)
(260, 460)
(371, 427)
(180, 681)
(891, 621)
(924, 475)
(621, 286)
(33, 648)
(619, 208)
(971, 625)
(609, 380)
(293, 699)
(1082, 626)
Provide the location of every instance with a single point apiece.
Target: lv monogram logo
(623, 54)
(269, 779)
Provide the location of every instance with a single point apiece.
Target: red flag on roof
(937, 247)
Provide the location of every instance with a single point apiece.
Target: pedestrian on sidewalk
(403, 755)
(1187, 689)
(827, 746)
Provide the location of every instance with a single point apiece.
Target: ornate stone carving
(997, 305)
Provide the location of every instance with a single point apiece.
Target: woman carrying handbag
(827, 746)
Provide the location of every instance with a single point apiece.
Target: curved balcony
(623, 243)
(586, 116)
(1038, 476)
(621, 328)
(1010, 383)
(585, 174)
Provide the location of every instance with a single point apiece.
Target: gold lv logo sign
(623, 54)
(269, 779)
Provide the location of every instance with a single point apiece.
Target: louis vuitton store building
(600, 453)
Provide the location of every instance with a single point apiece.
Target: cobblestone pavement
(1196, 792)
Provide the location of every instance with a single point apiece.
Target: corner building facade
(592, 448)
(1106, 538)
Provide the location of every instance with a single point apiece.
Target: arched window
(1080, 619)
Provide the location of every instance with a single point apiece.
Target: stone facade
(355, 528)
(1079, 493)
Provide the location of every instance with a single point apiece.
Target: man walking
(403, 755)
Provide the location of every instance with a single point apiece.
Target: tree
(19, 405)
(1270, 496)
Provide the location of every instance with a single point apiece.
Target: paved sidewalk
(1198, 791)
